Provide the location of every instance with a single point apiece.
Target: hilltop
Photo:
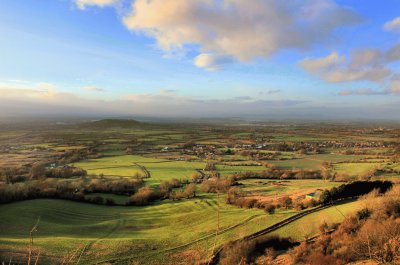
(114, 123)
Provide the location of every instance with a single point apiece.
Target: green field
(166, 231)
(226, 170)
(128, 165)
(307, 226)
(137, 232)
(355, 169)
(271, 188)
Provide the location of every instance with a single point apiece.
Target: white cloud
(101, 3)
(315, 65)
(393, 25)
(211, 62)
(364, 64)
(243, 30)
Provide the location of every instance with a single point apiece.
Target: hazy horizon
(263, 60)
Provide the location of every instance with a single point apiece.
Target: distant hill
(114, 123)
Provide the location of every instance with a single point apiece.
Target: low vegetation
(122, 191)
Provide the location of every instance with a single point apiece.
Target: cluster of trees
(73, 156)
(146, 195)
(71, 189)
(38, 171)
(237, 197)
(373, 233)
(260, 251)
(214, 185)
(273, 173)
(13, 174)
(65, 172)
(100, 200)
(188, 192)
(354, 189)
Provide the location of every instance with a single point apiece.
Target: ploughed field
(172, 229)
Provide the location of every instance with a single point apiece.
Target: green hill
(114, 123)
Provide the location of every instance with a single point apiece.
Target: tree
(142, 197)
(8, 173)
(210, 166)
(270, 208)
(195, 177)
(233, 194)
(286, 201)
(38, 170)
(190, 191)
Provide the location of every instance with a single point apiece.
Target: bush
(270, 208)
(97, 200)
(110, 201)
(143, 197)
(354, 189)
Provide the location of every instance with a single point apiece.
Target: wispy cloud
(82, 4)
(362, 91)
(364, 64)
(392, 25)
(93, 89)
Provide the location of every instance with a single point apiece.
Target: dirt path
(90, 244)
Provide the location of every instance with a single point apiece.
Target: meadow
(175, 229)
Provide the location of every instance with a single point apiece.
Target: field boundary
(144, 169)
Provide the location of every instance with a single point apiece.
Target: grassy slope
(119, 231)
(308, 225)
(278, 187)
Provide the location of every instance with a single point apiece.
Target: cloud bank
(241, 30)
(44, 100)
(366, 64)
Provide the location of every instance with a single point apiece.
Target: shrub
(270, 208)
(110, 201)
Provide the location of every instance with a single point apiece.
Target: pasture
(166, 230)
(308, 226)
(138, 233)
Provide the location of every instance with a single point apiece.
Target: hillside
(114, 123)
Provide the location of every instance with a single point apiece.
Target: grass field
(355, 169)
(270, 189)
(139, 232)
(167, 231)
(307, 226)
(225, 170)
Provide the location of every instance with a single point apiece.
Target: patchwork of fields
(172, 229)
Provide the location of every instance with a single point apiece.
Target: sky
(261, 59)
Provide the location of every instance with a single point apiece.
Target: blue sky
(177, 58)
